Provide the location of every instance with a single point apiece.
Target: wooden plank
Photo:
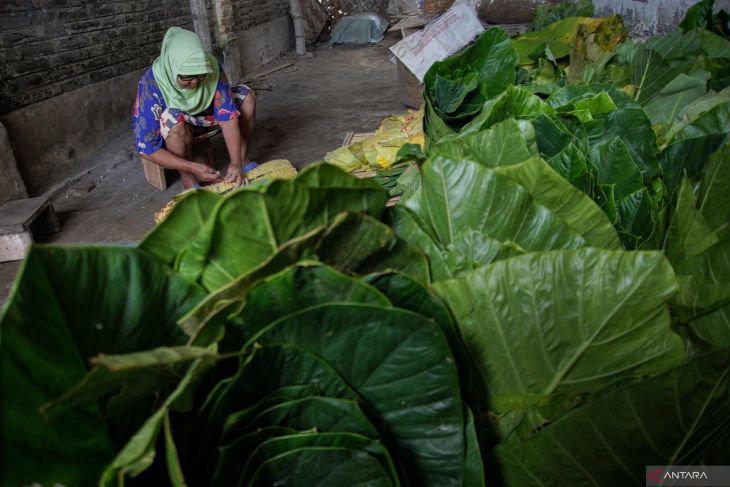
(392, 201)
(353, 137)
(348, 138)
(266, 72)
(359, 137)
(17, 215)
(14, 246)
(363, 174)
(154, 174)
(207, 135)
(413, 22)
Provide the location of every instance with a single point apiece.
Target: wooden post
(201, 22)
(296, 14)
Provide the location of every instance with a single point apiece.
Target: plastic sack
(443, 37)
(359, 29)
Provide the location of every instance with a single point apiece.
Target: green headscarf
(182, 53)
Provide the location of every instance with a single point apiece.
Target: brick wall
(50, 47)
(250, 13)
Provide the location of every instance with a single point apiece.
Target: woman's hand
(234, 175)
(206, 173)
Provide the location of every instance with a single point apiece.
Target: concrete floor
(306, 113)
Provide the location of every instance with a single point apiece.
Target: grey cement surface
(307, 112)
(56, 138)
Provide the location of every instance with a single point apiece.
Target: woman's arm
(165, 158)
(232, 137)
(227, 116)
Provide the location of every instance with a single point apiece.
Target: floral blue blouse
(150, 105)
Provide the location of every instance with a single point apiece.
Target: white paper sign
(456, 28)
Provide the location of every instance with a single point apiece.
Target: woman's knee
(248, 107)
(182, 132)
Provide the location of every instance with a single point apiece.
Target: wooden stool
(19, 219)
(155, 174)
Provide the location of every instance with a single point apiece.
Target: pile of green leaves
(547, 14)
(621, 120)
(240, 343)
(547, 304)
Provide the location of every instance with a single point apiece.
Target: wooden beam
(266, 72)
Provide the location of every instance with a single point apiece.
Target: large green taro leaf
(400, 365)
(502, 144)
(464, 207)
(353, 242)
(138, 454)
(704, 281)
(621, 192)
(714, 327)
(513, 103)
(291, 290)
(401, 257)
(360, 244)
(704, 298)
(708, 115)
(205, 321)
(315, 413)
(565, 322)
(572, 94)
(686, 156)
(129, 378)
(714, 202)
(667, 104)
(252, 224)
(689, 233)
(571, 205)
(263, 372)
(651, 73)
(232, 453)
(698, 244)
(713, 122)
(275, 447)
(321, 467)
(558, 36)
(237, 422)
(69, 305)
(311, 413)
(633, 128)
(675, 418)
(404, 292)
(174, 235)
(571, 163)
(452, 93)
(553, 136)
(492, 58)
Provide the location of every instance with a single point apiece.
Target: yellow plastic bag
(379, 149)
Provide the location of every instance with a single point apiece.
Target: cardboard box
(436, 6)
(411, 90)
